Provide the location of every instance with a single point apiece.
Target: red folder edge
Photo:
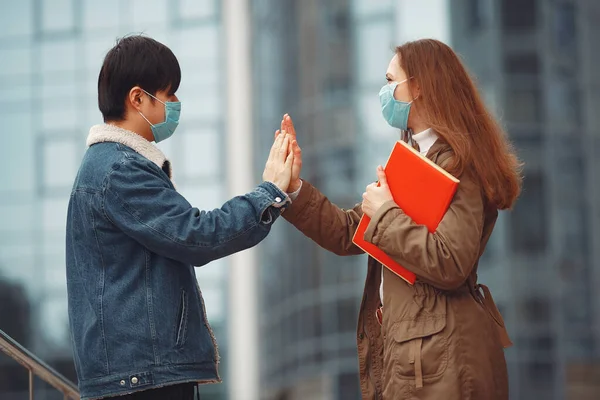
(378, 254)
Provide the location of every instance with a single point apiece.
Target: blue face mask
(394, 111)
(165, 129)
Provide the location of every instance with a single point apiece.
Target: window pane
(196, 9)
(60, 114)
(541, 373)
(528, 219)
(593, 116)
(55, 279)
(94, 53)
(216, 273)
(479, 12)
(201, 154)
(205, 198)
(523, 106)
(18, 151)
(14, 91)
(54, 214)
(522, 63)
(54, 319)
(15, 61)
(61, 159)
(53, 89)
(347, 315)
(348, 385)
(213, 300)
(16, 19)
(59, 55)
(16, 218)
(57, 15)
(374, 51)
(371, 121)
(563, 103)
(519, 14)
(100, 14)
(199, 43)
(16, 308)
(535, 310)
(149, 15)
(365, 8)
(203, 103)
(565, 31)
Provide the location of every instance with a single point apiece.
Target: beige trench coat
(442, 338)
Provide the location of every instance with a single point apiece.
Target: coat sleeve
(445, 258)
(325, 223)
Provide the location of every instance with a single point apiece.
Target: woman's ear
(415, 89)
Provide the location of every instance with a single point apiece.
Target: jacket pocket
(182, 319)
(419, 348)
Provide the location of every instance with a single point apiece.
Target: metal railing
(37, 367)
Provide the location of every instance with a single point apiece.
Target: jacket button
(278, 199)
(134, 380)
(122, 382)
(361, 336)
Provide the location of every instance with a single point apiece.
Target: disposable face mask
(395, 112)
(165, 129)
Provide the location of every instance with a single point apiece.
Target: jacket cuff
(300, 203)
(279, 198)
(376, 225)
(274, 201)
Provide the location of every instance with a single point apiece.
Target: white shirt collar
(425, 139)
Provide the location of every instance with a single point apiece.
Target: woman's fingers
(289, 126)
(289, 161)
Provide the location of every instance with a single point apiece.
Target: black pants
(183, 391)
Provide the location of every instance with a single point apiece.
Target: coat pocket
(419, 349)
(182, 319)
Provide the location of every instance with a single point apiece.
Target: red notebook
(422, 189)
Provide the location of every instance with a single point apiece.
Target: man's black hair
(135, 61)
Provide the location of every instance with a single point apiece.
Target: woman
(442, 338)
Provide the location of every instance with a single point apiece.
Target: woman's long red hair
(450, 104)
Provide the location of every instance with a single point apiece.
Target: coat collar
(438, 147)
(111, 133)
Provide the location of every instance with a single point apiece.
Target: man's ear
(136, 97)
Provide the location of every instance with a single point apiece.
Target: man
(137, 317)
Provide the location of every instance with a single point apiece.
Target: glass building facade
(535, 61)
(323, 62)
(51, 52)
(535, 64)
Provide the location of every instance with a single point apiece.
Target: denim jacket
(136, 312)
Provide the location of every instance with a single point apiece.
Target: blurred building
(537, 64)
(304, 65)
(324, 63)
(51, 53)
